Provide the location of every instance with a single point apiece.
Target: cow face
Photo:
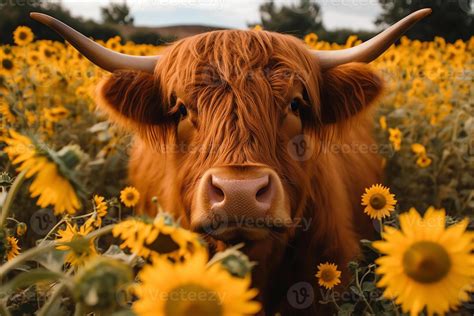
(228, 117)
(233, 103)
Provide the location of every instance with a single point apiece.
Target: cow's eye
(182, 110)
(294, 105)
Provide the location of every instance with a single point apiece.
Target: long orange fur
(236, 84)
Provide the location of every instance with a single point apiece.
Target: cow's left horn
(99, 55)
(373, 48)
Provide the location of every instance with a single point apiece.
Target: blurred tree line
(15, 13)
(450, 19)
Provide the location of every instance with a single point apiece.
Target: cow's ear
(133, 99)
(346, 90)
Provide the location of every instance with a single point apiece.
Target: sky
(355, 14)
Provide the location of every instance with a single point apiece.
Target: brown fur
(237, 86)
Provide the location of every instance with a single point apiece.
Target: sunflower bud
(234, 261)
(99, 282)
(353, 266)
(5, 179)
(71, 156)
(21, 229)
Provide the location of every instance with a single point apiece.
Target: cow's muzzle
(240, 202)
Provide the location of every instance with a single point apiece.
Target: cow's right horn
(373, 48)
(99, 55)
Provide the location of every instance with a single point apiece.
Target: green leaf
(368, 286)
(346, 309)
(124, 312)
(355, 290)
(26, 279)
(368, 244)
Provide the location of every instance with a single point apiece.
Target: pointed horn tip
(41, 17)
(423, 13)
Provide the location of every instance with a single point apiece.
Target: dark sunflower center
(191, 299)
(130, 196)
(163, 244)
(327, 275)
(378, 201)
(7, 64)
(23, 35)
(426, 262)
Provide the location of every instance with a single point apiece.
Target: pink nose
(241, 197)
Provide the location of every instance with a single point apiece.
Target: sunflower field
(70, 243)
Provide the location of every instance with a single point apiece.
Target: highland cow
(241, 134)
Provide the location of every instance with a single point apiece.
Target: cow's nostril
(216, 195)
(264, 193)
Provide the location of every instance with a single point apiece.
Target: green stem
(4, 310)
(359, 287)
(11, 196)
(84, 215)
(79, 310)
(13, 220)
(44, 311)
(381, 227)
(33, 252)
(333, 300)
(24, 256)
(64, 219)
(397, 313)
(51, 231)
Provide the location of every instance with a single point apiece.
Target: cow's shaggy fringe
(236, 86)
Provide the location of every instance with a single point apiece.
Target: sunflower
(98, 285)
(395, 138)
(12, 249)
(378, 201)
(426, 264)
(47, 52)
(7, 65)
(192, 288)
(129, 196)
(311, 39)
(81, 252)
(114, 43)
(23, 35)
(162, 237)
(55, 114)
(33, 58)
(423, 161)
(100, 206)
(383, 122)
(6, 112)
(49, 185)
(418, 149)
(328, 275)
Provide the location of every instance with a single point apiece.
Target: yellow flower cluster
(157, 239)
(49, 185)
